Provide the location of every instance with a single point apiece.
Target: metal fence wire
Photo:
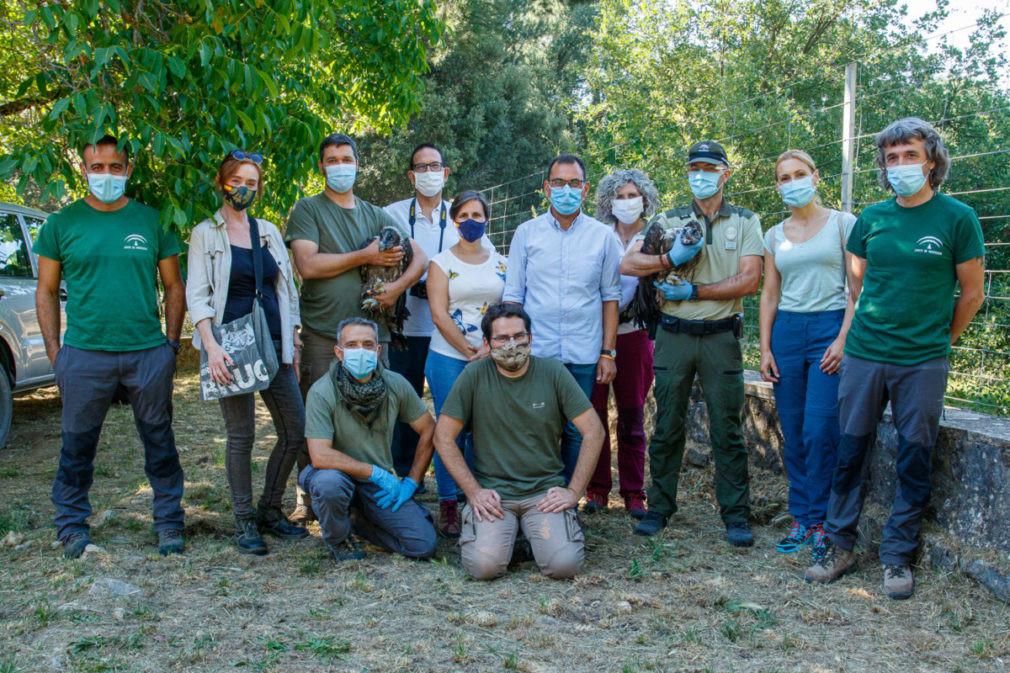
(840, 136)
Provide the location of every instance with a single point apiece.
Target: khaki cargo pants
(557, 540)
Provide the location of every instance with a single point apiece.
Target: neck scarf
(363, 398)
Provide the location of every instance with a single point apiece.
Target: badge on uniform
(730, 237)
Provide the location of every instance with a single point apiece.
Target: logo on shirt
(730, 232)
(539, 405)
(930, 245)
(135, 242)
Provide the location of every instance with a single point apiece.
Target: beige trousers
(557, 540)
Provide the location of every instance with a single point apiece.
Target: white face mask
(627, 210)
(429, 183)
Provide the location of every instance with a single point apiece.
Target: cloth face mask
(471, 229)
(238, 197)
(627, 210)
(512, 356)
(429, 183)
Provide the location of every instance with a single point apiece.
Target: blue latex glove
(389, 486)
(675, 292)
(680, 252)
(407, 488)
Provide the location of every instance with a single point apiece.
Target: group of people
(521, 354)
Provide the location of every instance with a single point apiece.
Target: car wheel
(6, 407)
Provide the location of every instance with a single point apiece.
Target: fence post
(849, 136)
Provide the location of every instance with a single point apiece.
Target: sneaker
(738, 534)
(302, 515)
(635, 504)
(448, 519)
(348, 549)
(650, 524)
(833, 564)
(248, 538)
(273, 522)
(170, 542)
(74, 544)
(898, 582)
(595, 502)
(799, 536)
(819, 539)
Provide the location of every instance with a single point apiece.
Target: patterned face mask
(512, 356)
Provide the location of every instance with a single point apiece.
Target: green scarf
(363, 398)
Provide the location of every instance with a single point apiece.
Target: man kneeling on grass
(350, 414)
(517, 406)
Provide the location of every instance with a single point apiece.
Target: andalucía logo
(931, 245)
(134, 242)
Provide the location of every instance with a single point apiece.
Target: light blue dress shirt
(562, 279)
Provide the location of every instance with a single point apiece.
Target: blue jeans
(571, 440)
(442, 372)
(807, 403)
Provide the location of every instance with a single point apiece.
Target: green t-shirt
(109, 262)
(327, 417)
(516, 423)
(904, 311)
(326, 301)
(734, 233)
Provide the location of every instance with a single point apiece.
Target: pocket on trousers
(573, 530)
(468, 530)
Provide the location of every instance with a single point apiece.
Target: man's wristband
(175, 345)
(694, 293)
(611, 354)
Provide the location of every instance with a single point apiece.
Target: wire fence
(975, 123)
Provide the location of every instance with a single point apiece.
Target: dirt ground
(683, 601)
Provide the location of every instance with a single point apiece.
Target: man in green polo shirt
(110, 251)
(517, 406)
(908, 253)
(349, 418)
(700, 329)
(325, 233)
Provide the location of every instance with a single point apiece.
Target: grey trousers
(916, 395)
(557, 540)
(344, 504)
(88, 381)
(284, 402)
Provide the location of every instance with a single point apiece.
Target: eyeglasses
(251, 156)
(502, 339)
(574, 183)
(424, 168)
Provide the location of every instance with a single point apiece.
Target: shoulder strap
(841, 240)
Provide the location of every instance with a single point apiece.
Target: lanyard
(441, 221)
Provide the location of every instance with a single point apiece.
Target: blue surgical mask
(798, 193)
(471, 229)
(360, 362)
(906, 180)
(566, 200)
(106, 187)
(703, 183)
(340, 177)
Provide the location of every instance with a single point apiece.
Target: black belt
(702, 327)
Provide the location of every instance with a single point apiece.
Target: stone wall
(968, 523)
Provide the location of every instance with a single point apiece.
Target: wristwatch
(694, 293)
(175, 345)
(612, 353)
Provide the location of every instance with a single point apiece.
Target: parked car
(22, 351)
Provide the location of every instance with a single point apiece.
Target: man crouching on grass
(349, 418)
(517, 406)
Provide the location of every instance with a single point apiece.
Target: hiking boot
(799, 536)
(348, 549)
(650, 524)
(595, 502)
(271, 521)
(819, 540)
(833, 564)
(170, 542)
(738, 534)
(74, 544)
(302, 515)
(635, 504)
(898, 582)
(448, 519)
(248, 538)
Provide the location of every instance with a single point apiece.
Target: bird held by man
(643, 309)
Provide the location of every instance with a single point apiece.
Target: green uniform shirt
(734, 233)
(516, 423)
(904, 310)
(327, 417)
(109, 262)
(326, 301)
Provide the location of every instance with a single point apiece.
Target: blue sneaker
(820, 540)
(799, 536)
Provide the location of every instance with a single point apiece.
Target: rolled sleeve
(610, 276)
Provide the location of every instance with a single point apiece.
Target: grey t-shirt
(813, 272)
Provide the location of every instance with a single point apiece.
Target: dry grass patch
(682, 601)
